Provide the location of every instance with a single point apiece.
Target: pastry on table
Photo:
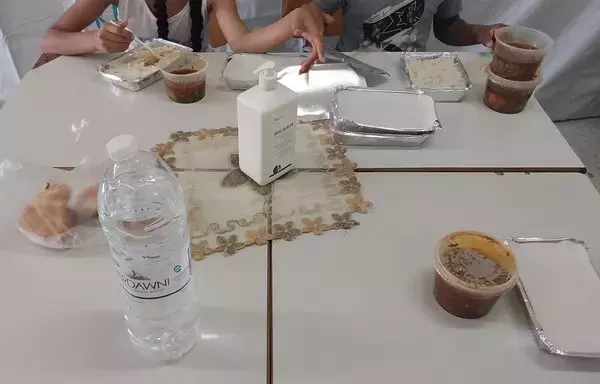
(49, 214)
(86, 204)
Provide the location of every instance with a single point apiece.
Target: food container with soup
(472, 271)
(518, 52)
(508, 96)
(185, 77)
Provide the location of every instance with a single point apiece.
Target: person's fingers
(318, 45)
(118, 48)
(111, 46)
(108, 34)
(123, 24)
(308, 62)
(328, 19)
(117, 29)
(112, 38)
(105, 34)
(493, 30)
(111, 43)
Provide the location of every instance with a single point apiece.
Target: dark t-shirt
(388, 25)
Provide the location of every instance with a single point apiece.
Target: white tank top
(142, 21)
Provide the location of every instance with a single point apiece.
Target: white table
(356, 307)
(64, 111)
(62, 320)
(473, 137)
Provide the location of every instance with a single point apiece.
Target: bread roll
(49, 214)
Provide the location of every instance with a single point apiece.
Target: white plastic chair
(23, 43)
(19, 50)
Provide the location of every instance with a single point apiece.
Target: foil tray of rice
(440, 75)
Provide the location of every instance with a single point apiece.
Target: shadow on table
(230, 340)
(90, 341)
(374, 80)
(79, 341)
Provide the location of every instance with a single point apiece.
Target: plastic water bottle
(143, 215)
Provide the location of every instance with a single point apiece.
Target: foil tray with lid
(109, 70)
(372, 117)
(452, 82)
(558, 286)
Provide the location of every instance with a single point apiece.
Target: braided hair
(162, 22)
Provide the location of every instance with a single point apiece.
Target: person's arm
(450, 29)
(298, 23)
(319, 8)
(65, 37)
(457, 32)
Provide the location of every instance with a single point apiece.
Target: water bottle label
(153, 278)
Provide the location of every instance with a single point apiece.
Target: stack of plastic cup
(514, 72)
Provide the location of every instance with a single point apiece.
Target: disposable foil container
(238, 71)
(370, 117)
(455, 88)
(107, 70)
(317, 87)
(559, 287)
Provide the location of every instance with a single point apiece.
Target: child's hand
(309, 23)
(484, 34)
(113, 37)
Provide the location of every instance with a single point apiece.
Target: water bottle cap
(121, 147)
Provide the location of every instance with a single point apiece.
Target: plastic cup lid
(478, 258)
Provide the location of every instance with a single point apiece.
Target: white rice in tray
(432, 73)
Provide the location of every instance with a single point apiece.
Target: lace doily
(227, 211)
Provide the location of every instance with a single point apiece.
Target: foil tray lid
(560, 289)
(240, 66)
(391, 112)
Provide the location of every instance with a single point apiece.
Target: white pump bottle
(267, 116)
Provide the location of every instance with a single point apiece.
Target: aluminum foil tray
(559, 288)
(454, 82)
(317, 87)
(382, 118)
(112, 70)
(238, 70)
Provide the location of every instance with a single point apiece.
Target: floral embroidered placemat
(227, 211)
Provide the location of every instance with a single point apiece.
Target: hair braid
(162, 21)
(197, 24)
